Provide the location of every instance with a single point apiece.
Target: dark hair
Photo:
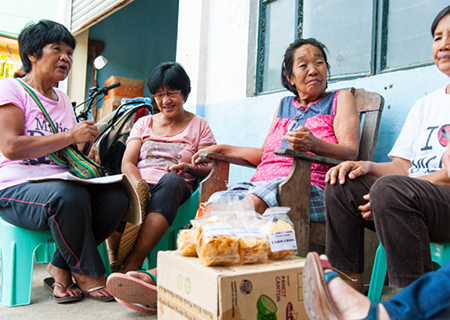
(438, 18)
(288, 61)
(170, 75)
(35, 36)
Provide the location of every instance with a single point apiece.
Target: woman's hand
(301, 139)
(354, 169)
(181, 168)
(84, 131)
(94, 155)
(198, 161)
(365, 209)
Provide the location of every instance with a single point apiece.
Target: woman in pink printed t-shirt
(158, 155)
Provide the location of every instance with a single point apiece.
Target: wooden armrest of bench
(222, 157)
(307, 156)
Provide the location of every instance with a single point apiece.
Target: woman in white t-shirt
(409, 203)
(80, 217)
(157, 160)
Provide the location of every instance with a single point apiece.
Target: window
(362, 37)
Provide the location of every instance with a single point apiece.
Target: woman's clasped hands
(301, 139)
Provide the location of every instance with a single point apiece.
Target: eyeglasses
(160, 96)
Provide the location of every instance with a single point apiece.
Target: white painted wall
(217, 45)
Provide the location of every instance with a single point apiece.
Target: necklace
(300, 112)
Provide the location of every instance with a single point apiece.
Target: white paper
(217, 229)
(282, 240)
(133, 215)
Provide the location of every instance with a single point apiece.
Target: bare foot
(143, 276)
(349, 302)
(65, 278)
(132, 263)
(86, 282)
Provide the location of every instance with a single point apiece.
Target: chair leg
(103, 250)
(378, 275)
(17, 275)
(45, 252)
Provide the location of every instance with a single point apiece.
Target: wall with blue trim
(137, 38)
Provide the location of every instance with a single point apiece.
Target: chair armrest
(217, 180)
(222, 157)
(307, 156)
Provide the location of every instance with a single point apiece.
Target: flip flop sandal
(88, 292)
(133, 292)
(138, 307)
(49, 285)
(318, 302)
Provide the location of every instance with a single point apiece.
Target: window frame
(379, 43)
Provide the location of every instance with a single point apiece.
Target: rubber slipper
(87, 293)
(49, 285)
(373, 312)
(150, 274)
(133, 292)
(138, 307)
(318, 303)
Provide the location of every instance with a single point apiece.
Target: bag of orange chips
(185, 243)
(216, 242)
(279, 230)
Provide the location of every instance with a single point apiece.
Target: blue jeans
(426, 298)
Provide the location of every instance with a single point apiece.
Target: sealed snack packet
(253, 245)
(185, 243)
(216, 242)
(279, 229)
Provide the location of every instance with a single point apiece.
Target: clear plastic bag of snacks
(185, 243)
(216, 242)
(253, 244)
(279, 230)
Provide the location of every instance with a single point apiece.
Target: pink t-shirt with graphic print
(273, 166)
(13, 172)
(159, 151)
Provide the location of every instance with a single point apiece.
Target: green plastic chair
(18, 248)
(186, 212)
(440, 254)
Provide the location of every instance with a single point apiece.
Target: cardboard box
(129, 88)
(189, 290)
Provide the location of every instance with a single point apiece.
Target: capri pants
(408, 214)
(79, 216)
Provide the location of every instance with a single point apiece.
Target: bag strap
(38, 102)
(54, 156)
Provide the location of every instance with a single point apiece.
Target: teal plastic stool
(45, 252)
(440, 254)
(186, 212)
(18, 248)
